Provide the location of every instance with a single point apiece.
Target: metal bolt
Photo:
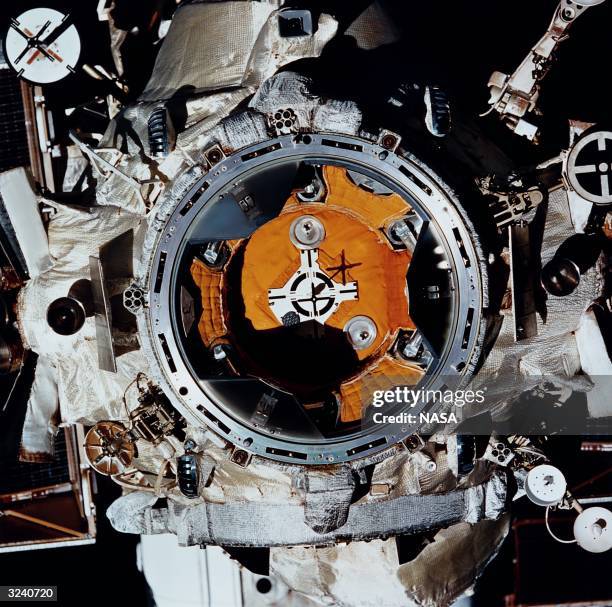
(212, 252)
(219, 352)
(410, 349)
(400, 231)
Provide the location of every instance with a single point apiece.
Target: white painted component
(188, 576)
(526, 129)
(43, 63)
(310, 294)
(22, 209)
(595, 362)
(600, 171)
(195, 577)
(580, 211)
(39, 427)
(545, 485)
(593, 529)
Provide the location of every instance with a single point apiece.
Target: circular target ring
(589, 167)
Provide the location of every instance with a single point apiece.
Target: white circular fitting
(593, 529)
(598, 189)
(307, 232)
(361, 332)
(545, 485)
(430, 465)
(42, 63)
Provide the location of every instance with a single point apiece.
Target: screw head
(307, 232)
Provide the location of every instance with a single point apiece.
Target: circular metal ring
(434, 203)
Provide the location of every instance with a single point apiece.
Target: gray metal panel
(102, 312)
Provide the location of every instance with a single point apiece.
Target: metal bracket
(516, 95)
(498, 452)
(134, 299)
(511, 207)
(389, 140)
(214, 155)
(283, 122)
(144, 188)
(102, 312)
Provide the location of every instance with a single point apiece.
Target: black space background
(457, 44)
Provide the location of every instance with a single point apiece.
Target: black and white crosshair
(589, 167)
(42, 45)
(310, 294)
